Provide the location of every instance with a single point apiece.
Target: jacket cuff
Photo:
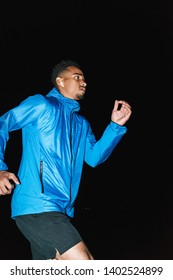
(117, 127)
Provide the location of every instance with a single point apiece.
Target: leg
(77, 252)
(52, 236)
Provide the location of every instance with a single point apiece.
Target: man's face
(72, 83)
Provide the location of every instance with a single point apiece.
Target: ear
(59, 82)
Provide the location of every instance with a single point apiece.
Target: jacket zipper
(71, 116)
(41, 176)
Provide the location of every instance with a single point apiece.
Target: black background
(124, 209)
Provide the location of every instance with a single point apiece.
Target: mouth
(83, 90)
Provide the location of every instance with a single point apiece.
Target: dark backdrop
(124, 208)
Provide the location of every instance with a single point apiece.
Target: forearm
(102, 149)
(3, 141)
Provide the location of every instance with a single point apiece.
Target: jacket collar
(68, 102)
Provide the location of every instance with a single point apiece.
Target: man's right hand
(6, 182)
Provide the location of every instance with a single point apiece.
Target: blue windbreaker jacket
(56, 141)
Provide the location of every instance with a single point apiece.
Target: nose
(84, 84)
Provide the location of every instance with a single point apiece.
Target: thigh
(48, 233)
(77, 252)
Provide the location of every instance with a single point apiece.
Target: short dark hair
(60, 67)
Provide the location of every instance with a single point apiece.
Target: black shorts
(47, 233)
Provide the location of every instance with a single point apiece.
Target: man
(56, 142)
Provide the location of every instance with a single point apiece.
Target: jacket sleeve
(98, 151)
(17, 118)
